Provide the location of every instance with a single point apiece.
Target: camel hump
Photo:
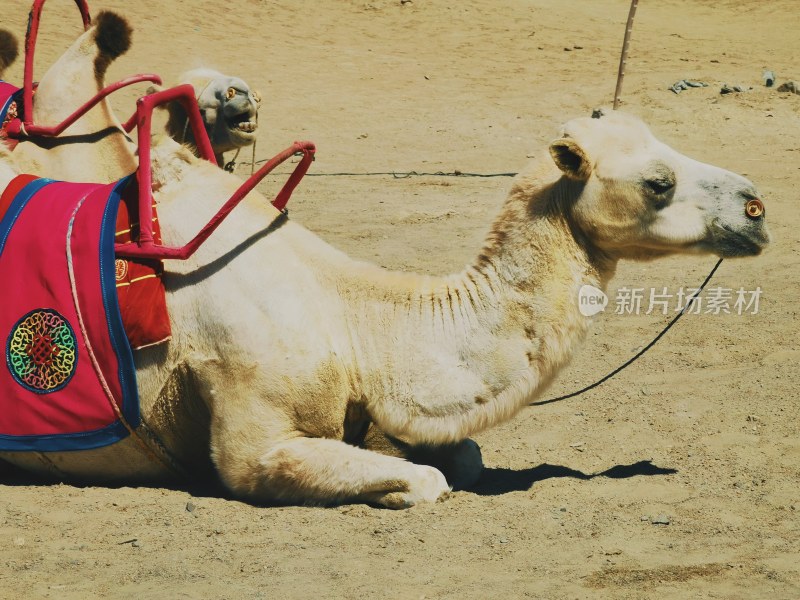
(113, 35)
(9, 49)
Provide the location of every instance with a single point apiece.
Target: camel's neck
(488, 340)
(68, 84)
(94, 148)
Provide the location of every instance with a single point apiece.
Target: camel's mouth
(243, 124)
(240, 112)
(729, 243)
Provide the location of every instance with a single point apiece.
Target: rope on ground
(402, 174)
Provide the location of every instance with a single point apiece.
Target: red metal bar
(30, 47)
(145, 248)
(17, 128)
(144, 113)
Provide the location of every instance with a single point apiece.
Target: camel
(285, 351)
(95, 148)
(229, 109)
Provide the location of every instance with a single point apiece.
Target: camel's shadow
(493, 481)
(496, 481)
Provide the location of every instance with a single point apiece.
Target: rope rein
(638, 355)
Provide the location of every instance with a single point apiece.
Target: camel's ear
(9, 49)
(113, 38)
(571, 159)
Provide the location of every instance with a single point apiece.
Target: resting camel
(229, 109)
(94, 148)
(285, 350)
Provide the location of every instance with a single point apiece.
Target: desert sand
(679, 478)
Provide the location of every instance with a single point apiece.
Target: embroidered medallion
(120, 269)
(42, 351)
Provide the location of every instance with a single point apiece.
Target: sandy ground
(680, 478)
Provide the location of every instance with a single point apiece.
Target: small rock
(661, 520)
(729, 89)
(136, 544)
(19, 541)
(503, 540)
(790, 86)
(190, 506)
(644, 518)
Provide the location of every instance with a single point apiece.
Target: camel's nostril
(754, 208)
(257, 97)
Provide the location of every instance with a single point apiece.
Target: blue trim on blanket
(116, 329)
(64, 442)
(16, 207)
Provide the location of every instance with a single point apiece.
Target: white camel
(95, 148)
(229, 108)
(285, 350)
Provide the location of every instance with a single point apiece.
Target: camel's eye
(230, 93)
(660, 185)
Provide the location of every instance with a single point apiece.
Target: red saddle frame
(17, 128)
(146, 247)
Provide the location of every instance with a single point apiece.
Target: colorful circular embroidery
(42, 351)
(120, 269)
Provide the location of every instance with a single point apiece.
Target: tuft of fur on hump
(113, 38)
(9, 49)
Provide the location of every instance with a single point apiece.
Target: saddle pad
(69, 381)
(140, 290)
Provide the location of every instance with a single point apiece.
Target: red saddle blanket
(69, 380)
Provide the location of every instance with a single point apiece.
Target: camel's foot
(461, 463)
(426, 485)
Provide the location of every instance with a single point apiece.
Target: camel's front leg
(325, 471)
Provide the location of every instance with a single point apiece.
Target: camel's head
(635, 197)
(9, 50)
(228, 106)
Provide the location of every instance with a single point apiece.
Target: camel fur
(285, 350)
